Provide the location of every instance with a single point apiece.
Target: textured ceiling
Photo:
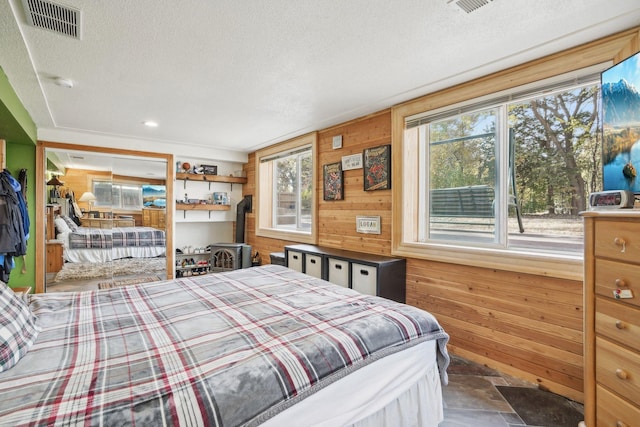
(240, 75)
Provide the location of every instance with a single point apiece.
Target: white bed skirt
(400, 390)
(106, 255)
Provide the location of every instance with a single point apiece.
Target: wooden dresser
(612, 318)
(155, 218)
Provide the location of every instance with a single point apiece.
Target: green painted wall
(16, 124)
(20, 132)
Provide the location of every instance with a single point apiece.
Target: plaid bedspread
(117, 237)
(225, 349)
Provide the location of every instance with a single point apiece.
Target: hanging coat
(13, 219)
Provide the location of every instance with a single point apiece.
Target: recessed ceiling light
(150, 123)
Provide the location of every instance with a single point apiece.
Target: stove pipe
(241, 210)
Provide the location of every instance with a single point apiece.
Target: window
(286, 191)
(508, 173)
(117, 196)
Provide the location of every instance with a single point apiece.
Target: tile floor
(481, 397)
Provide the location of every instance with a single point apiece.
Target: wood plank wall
(525, 325)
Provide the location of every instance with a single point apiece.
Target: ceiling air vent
(471, 5)
(53, 17)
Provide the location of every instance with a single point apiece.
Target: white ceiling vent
(53, 17)
(471, 5)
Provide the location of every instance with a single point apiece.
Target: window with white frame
(117, 196)
(285, 190)
(509, 173)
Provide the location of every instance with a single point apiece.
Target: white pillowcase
(61, 225)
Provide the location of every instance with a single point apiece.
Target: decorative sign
(353, 161)
(368, 224)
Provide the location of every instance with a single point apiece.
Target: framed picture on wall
(377, 168)
(332, 179)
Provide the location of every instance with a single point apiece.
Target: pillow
(18, 329)
(61, 225)
(72, 225)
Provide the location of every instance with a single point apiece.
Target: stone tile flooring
(481, 397)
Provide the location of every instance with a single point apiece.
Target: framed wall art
(377, 168)
(332, 179)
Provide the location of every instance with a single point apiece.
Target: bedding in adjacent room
(87, 244)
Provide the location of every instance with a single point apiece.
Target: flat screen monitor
(621, 125)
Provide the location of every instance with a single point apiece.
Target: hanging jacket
(13, 217)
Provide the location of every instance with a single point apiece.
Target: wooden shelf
(201, 207)
(211, 178)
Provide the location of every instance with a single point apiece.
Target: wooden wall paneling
(337, 219)
(502, 320)
(526, 325)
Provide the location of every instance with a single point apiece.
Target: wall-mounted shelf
(200, 207)
(198, 178)
(210, 178)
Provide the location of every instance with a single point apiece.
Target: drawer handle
(338, 267)
(295, 256)
(620, 283)
(620, 324)
(312, 261)
(618, 241)
(622, 374)
(364, 272)
(621, 424)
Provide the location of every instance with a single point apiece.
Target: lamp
(88, 197)
(55, 183)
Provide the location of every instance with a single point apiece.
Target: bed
(99, 245)
(258, 346)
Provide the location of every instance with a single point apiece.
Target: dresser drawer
(615, 412)
(618, 369)
(618, 322)
(618, 240)
(611, 275)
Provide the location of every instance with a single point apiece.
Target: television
(154, 196)
(621, 125)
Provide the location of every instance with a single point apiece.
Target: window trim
(264, 191)
(405, 155)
